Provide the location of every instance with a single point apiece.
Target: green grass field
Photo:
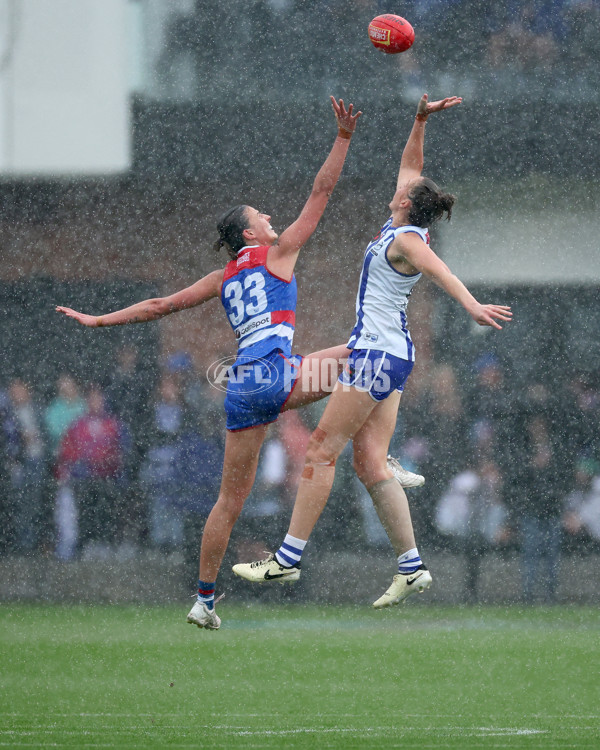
(300, 677)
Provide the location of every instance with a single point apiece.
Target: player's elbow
(323, 186)
(322, 192)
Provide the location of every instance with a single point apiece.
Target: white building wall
(562, 247)
(64, 87)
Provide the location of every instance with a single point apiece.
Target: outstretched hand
(486, 315)
(345, 119)
(86, 320)
(425, 107)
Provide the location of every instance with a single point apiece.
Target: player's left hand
(346, 120)
(486, 315)
(425, 107)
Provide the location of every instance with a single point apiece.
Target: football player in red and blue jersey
(258, 291)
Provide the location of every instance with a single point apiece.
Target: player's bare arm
(283, 255)
(409, 254)
(411, 163)
(153, 309)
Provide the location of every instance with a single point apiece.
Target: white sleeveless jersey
(382, 298)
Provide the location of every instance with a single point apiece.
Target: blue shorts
(257, 389)
(377, 373)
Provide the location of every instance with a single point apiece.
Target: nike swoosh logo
(269, 577)
(410, 581)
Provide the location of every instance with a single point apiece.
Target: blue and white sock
(206, 593)
(409, 562)
(290, 552)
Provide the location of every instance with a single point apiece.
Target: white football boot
(403, 586)
(204, 617)
(266, 570)
(405, 477)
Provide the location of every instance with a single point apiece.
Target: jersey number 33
(247, 298)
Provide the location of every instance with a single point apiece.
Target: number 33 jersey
(260, 306)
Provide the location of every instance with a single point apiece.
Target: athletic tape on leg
(318, 435)
(318, 474)
(324, 447)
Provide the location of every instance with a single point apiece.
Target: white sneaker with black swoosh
(404, 476)
(403, 586)
(204, 617)
(267, 570)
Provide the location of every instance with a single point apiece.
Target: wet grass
(300, 677)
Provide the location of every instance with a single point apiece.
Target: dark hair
(429, 203)
(230, 227)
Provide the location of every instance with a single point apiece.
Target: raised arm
(153, 309)
(410, 248)
(283, 255)
(411, 163)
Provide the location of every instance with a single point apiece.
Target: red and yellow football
(390, 33)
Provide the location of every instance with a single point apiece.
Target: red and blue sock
(206, 593)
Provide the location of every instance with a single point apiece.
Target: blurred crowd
(462, 38)
(101, 470)
(510, 468)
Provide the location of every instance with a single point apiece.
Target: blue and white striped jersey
(383, 296)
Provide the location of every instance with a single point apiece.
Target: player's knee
(319, 456)
(370, 471)
(360, 465)
(230, 505)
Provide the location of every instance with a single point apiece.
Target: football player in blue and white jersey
(364, 404)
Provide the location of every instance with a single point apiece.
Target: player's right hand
(91, 321)
(345, 119)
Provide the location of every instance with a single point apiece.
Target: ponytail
(230, 227)
(429, 203)
(218, 245)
